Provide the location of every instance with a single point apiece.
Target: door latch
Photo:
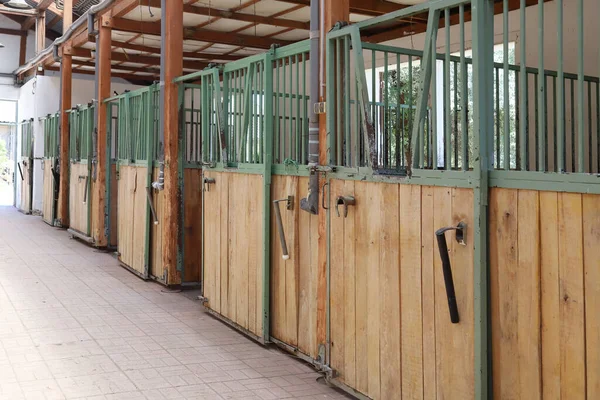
(345, 201)
(440, 234)
(208, 182)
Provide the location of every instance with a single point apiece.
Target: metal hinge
(319, 108)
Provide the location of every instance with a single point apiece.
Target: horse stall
(24, 173)
(51, 175)
(135, 189)
(81, 126)
(461, 179)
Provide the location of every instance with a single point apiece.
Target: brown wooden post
(67, 14)
(65, 104)
(23, 48)
(103, 63)
(40, 22)
(335, 10)
(172, 64)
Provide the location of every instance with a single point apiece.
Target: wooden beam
(121, 56)
(145, 79)
(13, 32)
(364, 7)
(22, 50)
(103, 67)
(67, 14)
(40, 41)
(16, 12)
(204, 35)
(186, 54)
(172, 37)
(154, 70)
(66, 77)
(231, 14)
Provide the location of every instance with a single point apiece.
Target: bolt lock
(208, 182)
(345, 201)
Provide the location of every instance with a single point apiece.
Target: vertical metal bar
(524, 92)
(276, 154)
(554, 122)
(541, 90)
(284, 113)
(427, 64)
(497, 112)
(411, 114)
(580, 88)
(506, 89)
(434, 124)
(268, 148)
(291, 110)
(373, 101)
(331, 99)
(483, 58)
(346, 98)
(305, 102)
(589, 101)
(399, 117)
(298, 100)
(447, 119)
(560, 111)
(545, 133)
(572, 125)
(537, 121)
(339, 102)
(455, 129)
(363, 95)
(386, 106)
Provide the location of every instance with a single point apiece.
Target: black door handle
(447, 268)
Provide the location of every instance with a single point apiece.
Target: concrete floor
(75, 325)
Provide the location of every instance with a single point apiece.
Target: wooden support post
(65, 104)
(40, 28)
(335, 10)
(103, 71)
(172, 64)
(23, 48)
(67, 14)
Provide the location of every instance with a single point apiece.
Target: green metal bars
(27, 138)
(51, 136)
(81, 125)
(224, 110)
(134, 129)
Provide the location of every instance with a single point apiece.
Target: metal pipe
(66, 36)
(159, 184)
(311, 202)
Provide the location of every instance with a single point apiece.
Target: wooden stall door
(545, 297)
(79, 183)
(131, 217)
(232, 249)
(26, 174)
(294, 281)
(391, 334)
(48, 200)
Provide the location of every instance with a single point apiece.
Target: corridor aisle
(75, 325)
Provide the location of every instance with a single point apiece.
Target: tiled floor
(75, 325)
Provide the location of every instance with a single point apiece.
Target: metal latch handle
(207, 182)
(290, 206)
(447, 268)
(345, 201)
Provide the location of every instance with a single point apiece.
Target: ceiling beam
(154, 70)
(13, 11)
(42, 6)
(121, 56)
(231, 14)
(13, 32)
(203, 35)
(186, 54)
(130, 77)
(364, 7)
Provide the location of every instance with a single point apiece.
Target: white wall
(39, 97)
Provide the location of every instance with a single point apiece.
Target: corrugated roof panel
(226, 25)
(261, 30)
(144, 13)
(295, 34)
